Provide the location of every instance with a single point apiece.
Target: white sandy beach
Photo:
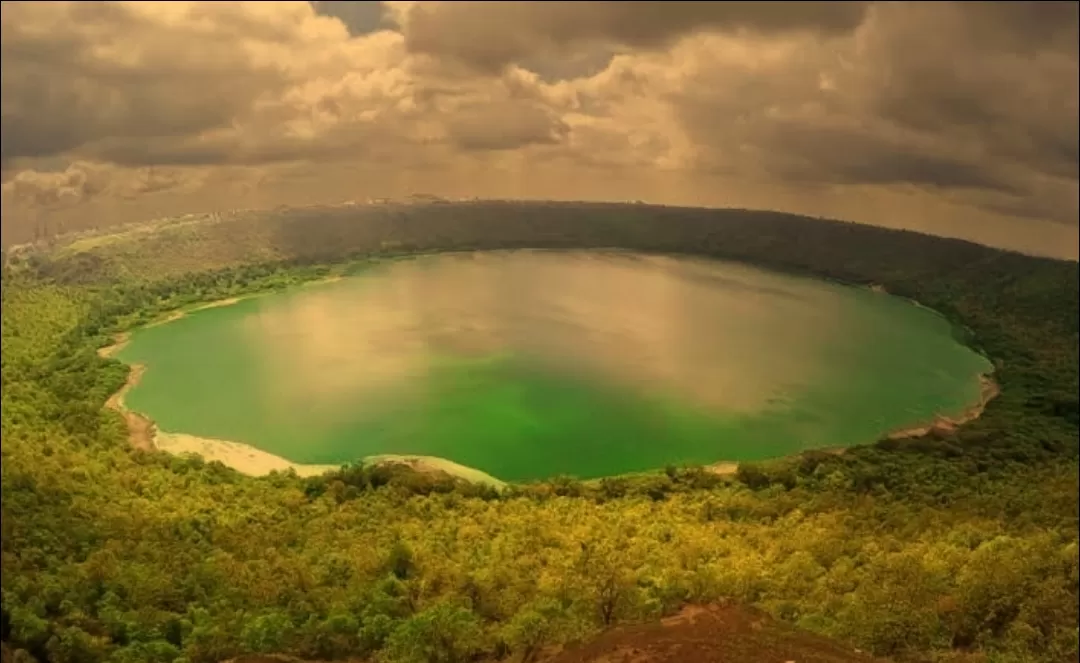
(249, 460)
(241, 457)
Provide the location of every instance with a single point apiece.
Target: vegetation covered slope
(962, 542)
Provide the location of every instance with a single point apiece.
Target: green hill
(960, 542)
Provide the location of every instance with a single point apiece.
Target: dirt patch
(712, 634)
(697, 634)
(241, 457)
(434, 465)
(989, 390)
(140, 429)
(218, 304)
(118, 344)
(176, 315)
(730, 468)
(724, 469)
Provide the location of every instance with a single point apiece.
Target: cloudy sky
(958, 119)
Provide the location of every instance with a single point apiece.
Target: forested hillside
(957, 545)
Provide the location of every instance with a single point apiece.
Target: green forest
(958, 546)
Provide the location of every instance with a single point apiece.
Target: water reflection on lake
(710, 333)
(527, 364)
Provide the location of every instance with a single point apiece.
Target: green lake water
(530, 364)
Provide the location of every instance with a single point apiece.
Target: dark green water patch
(531, 364)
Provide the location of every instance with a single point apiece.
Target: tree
(443, 633)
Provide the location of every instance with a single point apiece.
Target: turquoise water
(530, 364)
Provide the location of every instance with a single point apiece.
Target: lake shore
(246, 459)
(176, 315)
(144, 435)
(121, 340)
(252, 461)
(243, 458)
(988, 391)
(140, 429)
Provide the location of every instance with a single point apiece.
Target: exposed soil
(943, 424)
(724, 468)
(712, 634)
(243, 458)
(697, 634)
(119, 342)
(435, 465)
(140, 428)
(176, 315)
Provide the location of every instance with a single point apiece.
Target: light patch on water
(688, 328)
(314, 351)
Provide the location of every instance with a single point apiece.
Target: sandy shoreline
(723, 468)
(252, 461)
(140, 429)
(988, 391)
(246, 459)
(176, 315)
(243, 458)
(121, 339)
(144, 434)
(119, 342)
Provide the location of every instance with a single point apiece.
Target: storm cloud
(954, 118)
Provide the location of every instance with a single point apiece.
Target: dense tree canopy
(956, 542)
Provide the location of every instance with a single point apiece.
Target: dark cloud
(490, 35)
(939, 96)
(361, 17)
(232, 149)
(838, 155)
(1023, 26)
(1003, 74)
(503, 126)
(76, 73)
(1064, 210)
